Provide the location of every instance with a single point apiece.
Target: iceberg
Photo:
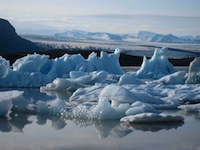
(194, 72)
(119, 94)
(35, 70)
(4, 67)
(77, 79)
(156, 67)
(178, 77)
(139, 107)
(151, 118)
(143, 113)
(99, 88)
(101, 111)
(190, 107)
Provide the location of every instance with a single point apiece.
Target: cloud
(114, 23)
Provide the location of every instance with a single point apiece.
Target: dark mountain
(10, 42)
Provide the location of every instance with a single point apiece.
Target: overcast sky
(180, 17)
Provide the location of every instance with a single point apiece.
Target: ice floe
(190, 107)
(151, 118)
(100, 89)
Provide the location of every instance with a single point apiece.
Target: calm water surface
(34, 132)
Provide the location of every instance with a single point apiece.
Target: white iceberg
(156, 67)
(101, 90)
(120, 94)
(139, 107)
(101, 111)
(190, 107)
(36, 70)
(194, 72)
(76, 80)
(4, 67)
(178, 77)
(151, 118)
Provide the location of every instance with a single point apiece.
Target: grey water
(29, 131)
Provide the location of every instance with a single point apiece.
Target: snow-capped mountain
(142, 36)
(78, 34)
(146, 36)
(169, 38)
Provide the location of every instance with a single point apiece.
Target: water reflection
(58, 123)
(16, 123)
(153, 127)
(22, 116)
(195, 115)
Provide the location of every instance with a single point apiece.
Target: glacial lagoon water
(41, 132)
(29, 131)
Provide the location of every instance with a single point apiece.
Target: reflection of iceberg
(154, 127)
(104, 128)
(15, 123)
(58, 123)
(6, 99)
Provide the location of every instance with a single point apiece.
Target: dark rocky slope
(10, 42)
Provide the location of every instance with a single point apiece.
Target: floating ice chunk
(128, 79)
(119, 94)
(139, 107)
(60, 84)
(77, 74)
(101, 111)
(175, 78)
(194, 72)
(156, 67)
(190, 107)
(79, 79)
(187, 93)
(6, 99)
(38, 70)
(106, 62)
(30, 63)
(151, 118)
(63, 65)
(104, 111)
(4, 67)
(88, 94)
(111, 62)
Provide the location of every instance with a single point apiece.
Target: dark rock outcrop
(10, 42)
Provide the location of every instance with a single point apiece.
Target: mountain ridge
(10, 42)
(142, 36)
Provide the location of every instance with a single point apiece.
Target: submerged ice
(100, 88)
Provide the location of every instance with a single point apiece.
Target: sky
(179, 17)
